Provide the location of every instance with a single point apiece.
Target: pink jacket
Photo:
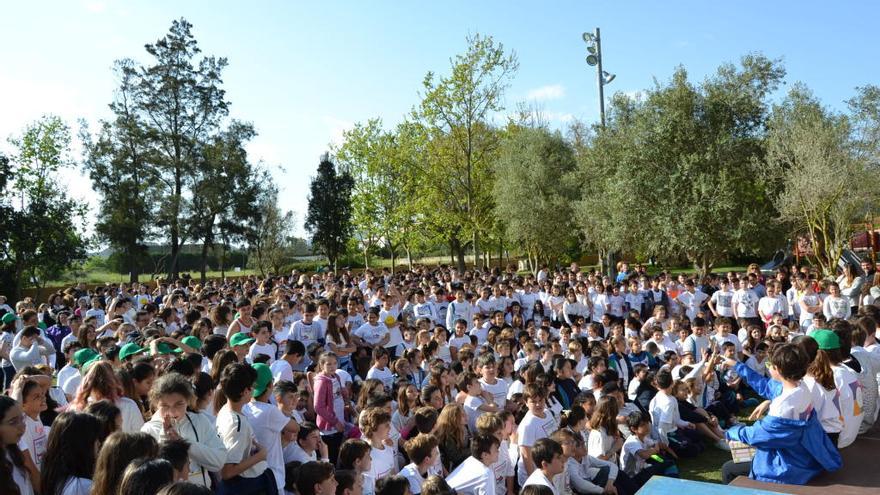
(326, 419)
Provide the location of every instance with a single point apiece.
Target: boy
(547, 455)
(31, 350)
(721, 302)
(375, 426)
(307, 330)
(664, 411)
(489, 382)
(240, 344)
(697, 342)
(724, 326)
(791, 446)
(501, 426)
(268, 422)
(459, 339)
(536, 424)
(316, 478)
(290, 361)
(459, 309)
(423, 453)
(355, 455)
(474, 475)
(476, 401)
(641, 456)
(691, 299)
(246, 466)
(176, 451)
(263, 337)
(595, 367)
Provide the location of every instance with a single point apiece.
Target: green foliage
(39, 224)
(534, 193)
(823, 172)
(330, 210)
(674, 172)
(268, 236)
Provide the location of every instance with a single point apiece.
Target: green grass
(102, 276)
(707, 466)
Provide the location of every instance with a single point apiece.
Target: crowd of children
(434, 382)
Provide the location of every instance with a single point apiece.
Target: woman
(71, 453)
(850, 286)
(172, 396)
(14, 477)
(451, 433)
(101, 383)
(116, 454)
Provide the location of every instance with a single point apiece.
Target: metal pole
(600, 79)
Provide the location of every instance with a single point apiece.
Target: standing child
(477, 401)
(354, 455)
(475, 475)
(329, 404)
(423, 453)
(379, 370)
(375, 426)
(263, 343)
(536, 424)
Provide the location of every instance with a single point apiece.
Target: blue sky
(303, 72)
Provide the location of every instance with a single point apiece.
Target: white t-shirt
(307, 333)
(746, 303)
(498, 391)
(600, 443)
(132, 418)
(723, 301)
(238, 436)
(35, 439)
(538, 478)
(457, 342)
(472, 409)
(384, 464)
(795, 403)
(529, 431)
(371, 334)
(384, 375)
(268, 421)
(293, 452)
(281, 370)
(664, 414)
(394, 330)
(472, 477)
(257, 349)
(630, 461)
(412, 474)
(692, 302)
(66, 373)
(77, 486)
(20, 477)
(503, 468)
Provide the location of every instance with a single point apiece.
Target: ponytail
(820, 369)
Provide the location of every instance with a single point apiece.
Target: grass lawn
(707, 466)
(102, 276)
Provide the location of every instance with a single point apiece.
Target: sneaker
(723, 445)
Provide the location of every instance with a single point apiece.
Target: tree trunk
(393, 258)
(458, 251)
(222, 261)
(133, 270)
(408, 256)
(204, 261)
(476, 251)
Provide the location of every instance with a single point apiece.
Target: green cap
(191, 341)
(89, 363)
(130, 349)
(83, 356)
(240, 339)
(163, 348)
(264, 379)
(826, 339)
(9, 317)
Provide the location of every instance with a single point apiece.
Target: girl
(403, 418)
(108, 415)
(101, 383)
(172, 397)
(329, 403)
(339, 341)
(146, 476)
(443, 351)
(688, 392)
(439, 377)
(376, 425)
(70, 455)
(566, 388)
(451, 433)
(221, 317)
(137, 380)
(116, 454)
(14, 477)
(7, 335)
(604, 440)
(32, 398)
(379, 370)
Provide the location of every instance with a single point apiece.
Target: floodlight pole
(600, 78)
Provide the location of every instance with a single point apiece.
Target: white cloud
(561, 117)
(549, 92)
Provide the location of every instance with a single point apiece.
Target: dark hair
(70, 450)
(184, 488)
(236, 378)
(636, 419)
(106, 412)
(392, 485)
(119, 451)
(345, 480)
(352, 450)
(790, 361)
(305, 429)
(212, 345)
(146, 476)
(310, 474)
(295, 348)
(544, 450)
(30, 331)
(572, 417)
(425, 418)
(176, 452)
(482, 444)
(663, 378)
(535, 490)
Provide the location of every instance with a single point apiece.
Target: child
(638, 356)
(697, 342)
(245, 467)
(475, 475)
(476, 401)
(642, 457)
(443, 351)
(423, 454)
(329, 404)
(375, 426)
(316, 478)
(460, 338)
(587, 474)
(665, 416)
(489, 382)
(536, 424)
(756, 361)
(604, 440)
(791, 445)
(263, 343)
(290, 361)
(548, 458)
(29, 392)
(379, 370)
(354, 455)
(501, 426)
(640, 371)
(176, 452)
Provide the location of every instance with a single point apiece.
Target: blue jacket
(788, 450)
(767, 388)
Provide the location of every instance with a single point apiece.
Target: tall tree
(534, 192)
(40, 225)
(824, 184)
(456, 113)
(330, 209)
(269, 236)
(225, 190)
(119, 165)
(182, 104)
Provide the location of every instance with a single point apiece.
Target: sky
(304, 72)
